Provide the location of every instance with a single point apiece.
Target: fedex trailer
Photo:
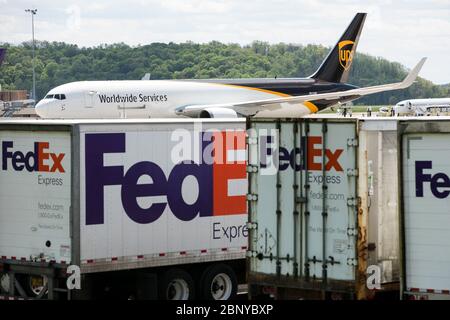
(134, 209)
(425, 219)
(324, 208)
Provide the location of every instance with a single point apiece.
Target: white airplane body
(422, 106)
(154, 99)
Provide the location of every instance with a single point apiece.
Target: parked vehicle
(137, 205)
(335, 174)
(158, 208)
(425, 219)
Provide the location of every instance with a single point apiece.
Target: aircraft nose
(41, 109)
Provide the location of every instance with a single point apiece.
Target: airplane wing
(250, 108)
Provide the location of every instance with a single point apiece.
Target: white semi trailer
(324, 208)
(425, 219)
(146, 209)
(353, 208)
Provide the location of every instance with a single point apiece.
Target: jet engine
(218, 113)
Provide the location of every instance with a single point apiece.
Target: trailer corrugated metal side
(426, 213)
(313, 190)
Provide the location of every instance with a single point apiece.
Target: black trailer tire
(176, 284)
(218, 282)
(4, 283)
(32, 291)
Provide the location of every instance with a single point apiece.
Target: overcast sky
(402, 31)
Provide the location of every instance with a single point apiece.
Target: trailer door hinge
(352, 262)
(252, 169)
(252, 197)
(351, 202)
(352, 172)
(352, 142)
(251, 254)
(252, 140)
(352, 232)
(252, 225)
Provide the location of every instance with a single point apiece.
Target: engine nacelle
(218, 113)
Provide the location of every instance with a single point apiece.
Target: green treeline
(58, 63)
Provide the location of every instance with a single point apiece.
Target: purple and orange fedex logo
(213, 178)
(38, 160)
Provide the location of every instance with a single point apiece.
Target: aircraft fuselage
(162, 98)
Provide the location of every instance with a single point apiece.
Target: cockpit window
(56, 96)
(401, 104)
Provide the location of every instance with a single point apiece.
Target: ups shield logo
(345, 53)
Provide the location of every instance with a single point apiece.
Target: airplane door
(90, 99)
(123, 111)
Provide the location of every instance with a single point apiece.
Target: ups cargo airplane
(219, 98)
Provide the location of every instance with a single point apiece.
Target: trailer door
(35, 190)
(303, 181)
(426, 203)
